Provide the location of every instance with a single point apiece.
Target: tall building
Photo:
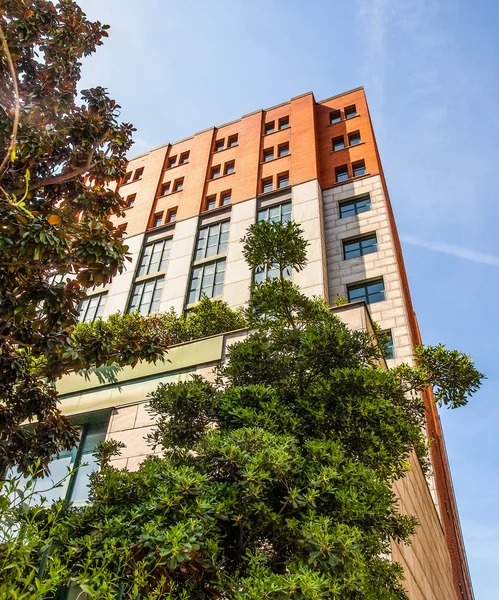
(188, 206)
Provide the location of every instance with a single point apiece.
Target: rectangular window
(283, 150)
(350, 111)
(127, 178)
(278, 212)
(165, 188)
(155, 257)
(184, 158)
(359, 168)
(158, 220)
(360, 246)
(230, 167)
(178, 185)
(354, 138)
(138, 174)
(225, 198)
(232, 141)
(130, 201)
(215, 172)
(338, 143)
(334, 116)
(284, 123)
(92, 308)
(207, 280)
(389, 348)
(373, 291)
(212, 240)
(211, 202)
(219, 145)
(269, 127)
(283, 180)
(172, 161)
(266, 185)
(146, 295)
(268, 154)
(74, 488)
(171, 216)
(355, 206)
(341, 173)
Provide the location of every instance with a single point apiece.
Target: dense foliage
(275, 480)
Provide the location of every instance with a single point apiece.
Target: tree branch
(16, 105)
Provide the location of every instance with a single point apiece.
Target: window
(178, 185)
(172, 161)
(373, 291)
(355, 206)
(146, 295)
(130, 201)
(268, 154)
(211, 202)
(283, 150)
(338, 143)
(350, 111)
(269, 127)
(360, 246)
(215, 172)
(341, 173)
(354, 138)
(219, 145)
(212, 240)
(207, 280)
(74, 488)
(165, 189)
(138, 174)
(171, 215)
(266, 185)
(127, 178)
(359, 168)
(334, 116)
(389, 348)
(158, 220)
(283, 180)
(225, 198)
(92, 308)
(284, 123)
(184, 158)
(232, 141)
(230, 167)
(155, 257)
(279, 212)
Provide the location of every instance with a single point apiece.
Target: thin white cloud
(457, 251)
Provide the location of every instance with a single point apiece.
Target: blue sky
(430, 69)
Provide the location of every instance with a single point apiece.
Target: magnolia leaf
(54, 219)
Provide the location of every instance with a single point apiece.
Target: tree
(276, 479)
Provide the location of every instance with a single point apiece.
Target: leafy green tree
(275, 479)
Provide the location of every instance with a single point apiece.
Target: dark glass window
(359, 168)
(267, 185)
(158, 220)
(215, 172)
(211, 202)
(232, 141)
(268, 154)
(269, 127)
(130, 201)
(334, 116)
(146, 295)
(219, 145)
(172, 161)
(138, 174)
(283, 180)
(225, 198)
(338, 143)
(165, 188)
(341, 173)
(172, 216)
(355, 206)
(184, 158)
(230, 167)
(284, 123)
(371, 292)
(155, 257)
(360, 246)
(207, 280)
(178, 185)
(283, 150)
(389, 348)
(212, 240)
(127, 178)
(278, 212)
(350, 111)
(92, 308)
(354, 138)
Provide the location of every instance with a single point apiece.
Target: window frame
(283, 123)
(172, 162)
(143, 282)
(351, 136)
(166, 246)
(269, 127)
(365, 285)
(224, 196)
(99, 309)
(157, 216)
(138, 174)
(354, 201)
(230, 167)
(209, 200)
(338, 171)
(362, 250)
(233, 140)
(280, 148)
(178, 185)
(266, 181)
(359, 164)
(165, 186)
(268, 152)
(201, 267)
(219, 148)
(216, 172)
(130, 198)
(184, 158)
(337, 139)
(282, 177)
(348, 112)
(171, 215)
(337, 119)
(208, 228)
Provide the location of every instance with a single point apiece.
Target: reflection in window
(207, 280)
(92, 308)
(146, 295)
(212, 240)
(155, 257)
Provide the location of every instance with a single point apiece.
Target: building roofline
(357, 89)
